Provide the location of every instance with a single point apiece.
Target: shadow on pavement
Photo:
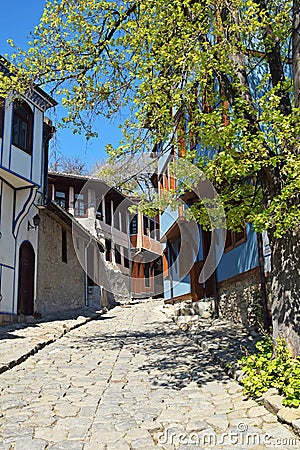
(171, 359)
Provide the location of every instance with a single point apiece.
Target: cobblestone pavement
(18, 341)
(130, 380)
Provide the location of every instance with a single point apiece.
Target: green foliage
(264, 371)
(215, 74)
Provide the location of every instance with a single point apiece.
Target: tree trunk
(285, 289)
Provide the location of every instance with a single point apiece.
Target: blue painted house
(198, 264)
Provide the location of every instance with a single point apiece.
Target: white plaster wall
(7, 283)
(37, 154)
(20, 162)
(7, 133)
(7, 242)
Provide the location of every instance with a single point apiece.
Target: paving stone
(67, 445)
(218, 423)
(79, 433)
(273, 403)
(235, 388)
(125, 425)
(30, 444)
(257, 411)
(269, 418)
(196, 425)
(5, 446)
(288, 415)
(54, 434)
(146, 444)
(296, 426)
(136, 434)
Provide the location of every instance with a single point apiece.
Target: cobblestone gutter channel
(226, 342)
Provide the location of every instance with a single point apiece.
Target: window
(2, 105)
(108, 250)
(99, 213)
(108, 212)
(117, 254)
(123, 221)
(146, 226)
(64, 246)
(234, 239)
(116, 218)
(126, 259)
(152, 226)
(22, 126)
(61, 199)
(133, 224)
(80, 207)
(147, 274)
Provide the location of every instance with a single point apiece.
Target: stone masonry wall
(240, 299)
(60, 285)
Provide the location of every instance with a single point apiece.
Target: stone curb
(56, 335)
(271, 400)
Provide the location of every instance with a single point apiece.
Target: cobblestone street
(130, 380)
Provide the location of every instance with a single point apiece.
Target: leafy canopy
(219, 78)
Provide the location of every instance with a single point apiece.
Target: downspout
(86, 301)
(266, 317)
(130, 262)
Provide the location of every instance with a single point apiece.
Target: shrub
(262, 371)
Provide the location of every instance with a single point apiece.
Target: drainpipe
(266, 317)
(86, 300)
(130, 261)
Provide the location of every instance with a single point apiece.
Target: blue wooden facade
(183, 262)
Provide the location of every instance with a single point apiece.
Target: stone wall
(60, 285)
(240, 299)
(115, 284)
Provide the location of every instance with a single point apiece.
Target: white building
(24, 137)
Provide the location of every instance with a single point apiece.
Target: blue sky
(17, 19)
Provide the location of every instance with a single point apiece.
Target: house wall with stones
(239, 299)
(60, 278)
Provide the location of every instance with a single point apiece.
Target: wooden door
(26, 279)
(210, 283)
(196, 286)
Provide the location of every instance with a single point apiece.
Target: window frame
(234, 240)
(62, 199)
(22, 115)
(78, 203)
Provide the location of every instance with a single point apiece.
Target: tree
(229, 69)
(60, 163)
(129, 173)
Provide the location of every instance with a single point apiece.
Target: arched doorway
(26, 279)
